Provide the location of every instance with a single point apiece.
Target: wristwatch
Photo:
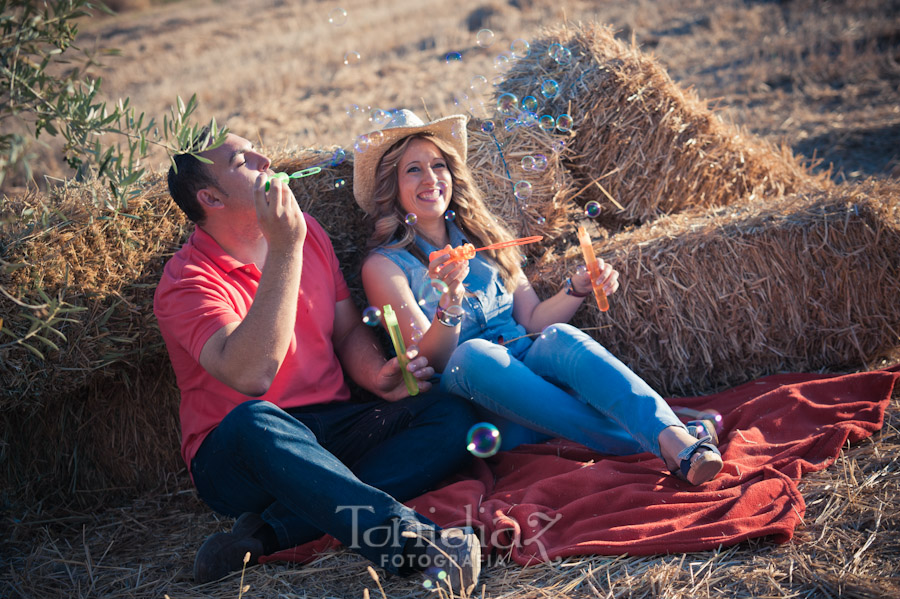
(446, 318)
(570, 289)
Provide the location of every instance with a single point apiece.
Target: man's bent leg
(261, 459)
(405, 447)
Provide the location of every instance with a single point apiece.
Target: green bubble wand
(298, 175)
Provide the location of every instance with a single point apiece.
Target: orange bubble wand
(467, 251)
(590, 260)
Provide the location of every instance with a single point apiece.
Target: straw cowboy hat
(450, 129)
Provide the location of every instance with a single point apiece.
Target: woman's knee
(476, 353)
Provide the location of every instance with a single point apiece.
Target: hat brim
(450, 129)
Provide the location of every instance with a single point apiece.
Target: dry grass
(847, 547)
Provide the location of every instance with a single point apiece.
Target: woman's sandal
(703, 428)
(699, 463)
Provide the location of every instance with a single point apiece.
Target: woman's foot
(698, 463)
(695, 460)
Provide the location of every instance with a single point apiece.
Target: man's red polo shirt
(203, 289)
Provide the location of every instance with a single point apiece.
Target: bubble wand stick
(467, 251)
(298, 175)
(390, 319)
(590, 260)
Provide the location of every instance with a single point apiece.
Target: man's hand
(389, 380)
(280, 218)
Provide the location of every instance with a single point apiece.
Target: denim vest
(487, 304)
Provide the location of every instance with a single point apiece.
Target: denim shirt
(487, 304)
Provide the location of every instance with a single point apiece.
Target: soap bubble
(337, 17)
(479, 83)
(522, 190)
(371, 316)
(592, 209)
(580, 270)
(450, 216)
(340, 183)
(431, 291)
(528, 163)
(352, 58)
(507, 103)
(484, 38)
(416, 333)
(547, 122)
(453, 57)
(564, 122)
(487, 126)
(411, 219)
(483, 440)
(361, 144)
(549, 88)
(520, 48)
(529, 103)
(529, 119)
(501, 62)
(540, 162)
(411, 352)
(376, 138)
(560, 54)
(380, 117)
(541, 220)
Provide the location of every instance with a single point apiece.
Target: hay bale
(99, 263)
(652, 146)
(496, 160)
(716, 298)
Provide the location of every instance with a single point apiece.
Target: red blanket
(557, 499)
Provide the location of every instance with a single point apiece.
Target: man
(261, 330)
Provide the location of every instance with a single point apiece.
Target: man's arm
(246, 355)
(361, 357)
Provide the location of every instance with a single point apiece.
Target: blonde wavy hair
(473, 217)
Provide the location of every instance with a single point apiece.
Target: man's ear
(208, 198)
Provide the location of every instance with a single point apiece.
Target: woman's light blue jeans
(565, 385)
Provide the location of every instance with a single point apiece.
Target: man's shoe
(224, 552)
(454, 560)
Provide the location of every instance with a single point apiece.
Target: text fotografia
(397, 534)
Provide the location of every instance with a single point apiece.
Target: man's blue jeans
(340, 468)
(564, 385)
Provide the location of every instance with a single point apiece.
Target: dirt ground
(821, 77)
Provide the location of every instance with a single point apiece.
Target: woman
(477, 320)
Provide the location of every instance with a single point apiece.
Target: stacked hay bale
(715, 298)
(760, 267)
(100, 411)
(643, 146)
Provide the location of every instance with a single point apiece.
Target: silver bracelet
(447, 319)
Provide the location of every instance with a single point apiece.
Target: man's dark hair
(188, 176)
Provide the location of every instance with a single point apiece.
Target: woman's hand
(608, 278)
(452, 273)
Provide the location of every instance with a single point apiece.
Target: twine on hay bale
(716, 298)
(652, 146)
(496, 161)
